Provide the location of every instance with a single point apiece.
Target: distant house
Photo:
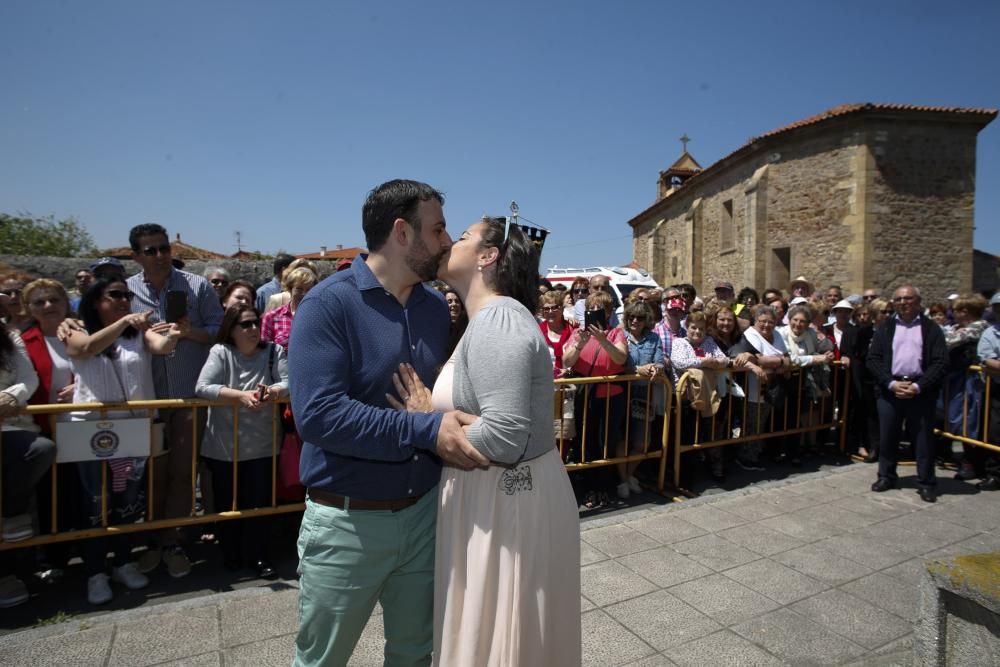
(332, 255)
(179, 250)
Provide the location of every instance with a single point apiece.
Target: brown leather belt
(328, 499)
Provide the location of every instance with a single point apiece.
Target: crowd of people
(747, 363)
(163, 333)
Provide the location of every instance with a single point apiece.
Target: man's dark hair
(393, 199)
(281, 263)
(747, 293)
(544, 282)
(149, 229)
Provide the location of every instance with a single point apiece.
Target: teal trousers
(348, 560)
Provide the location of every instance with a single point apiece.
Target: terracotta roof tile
(986, 115)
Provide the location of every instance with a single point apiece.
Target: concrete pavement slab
(652, 661)
(753, 507)
(590, 554)
(662, 620)
(715, 552)
(667, 528)
(942, 529)
(802, 527)
(877, 506)
(664, 567)
(864, 551)
(618, 540)
(273, 652)
(760, 539)
(213, 659)
(817, 563)
(852, 617)
(908, 572)
(165, 637)
(84, 648)
(607, 642)
(838, 517)
(905, 536)
(797, 639)
(250, 620)
(723, 599)
(609, 582)
(776, 581)
(967, 516)
(722, 648)
(895, 596)
(709, 518)
(976, 544)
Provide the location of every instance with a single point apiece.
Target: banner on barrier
(103, 439)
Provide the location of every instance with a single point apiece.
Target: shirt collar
(170, 279)
(366, 280)
(915, 321)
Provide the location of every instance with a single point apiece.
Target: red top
(557, 346)
(38, 352)
(594, 361)
(276, 326)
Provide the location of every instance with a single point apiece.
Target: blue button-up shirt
(349, 336)
(265, 292)
(175, 374)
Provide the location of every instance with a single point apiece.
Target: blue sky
(276, 118)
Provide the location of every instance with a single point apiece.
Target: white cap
(843, 303)
(797, 300)
(952, 297)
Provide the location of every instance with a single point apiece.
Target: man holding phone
(189, 300)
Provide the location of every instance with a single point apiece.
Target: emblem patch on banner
(104, 443)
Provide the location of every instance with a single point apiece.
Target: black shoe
(872, 457)
(265, 570)
(927, 494)
(989, 484)
(883, 484)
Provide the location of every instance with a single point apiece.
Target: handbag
(289, 485)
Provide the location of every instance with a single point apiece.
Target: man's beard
(422, 263)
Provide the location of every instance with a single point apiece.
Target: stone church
(861, 195)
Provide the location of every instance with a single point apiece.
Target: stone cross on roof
(684, 141)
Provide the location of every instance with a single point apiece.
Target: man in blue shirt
(273, 286)
(371, 471)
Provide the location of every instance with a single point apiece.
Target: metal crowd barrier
(830, 413)
(654, 437)
(980, 426)
(151, 522)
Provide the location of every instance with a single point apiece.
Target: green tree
(23, 234)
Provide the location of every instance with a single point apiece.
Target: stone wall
(64, 269)
(922, 198)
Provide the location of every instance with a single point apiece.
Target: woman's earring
(479, 267)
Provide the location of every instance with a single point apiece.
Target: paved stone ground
(814, 570)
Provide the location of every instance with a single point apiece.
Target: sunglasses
(248, 324)
(154, 250)
(551, 309)
(41, 301)
(580, 290)
(636, 318)
(886, 312)
(219, 281)
(119, 295)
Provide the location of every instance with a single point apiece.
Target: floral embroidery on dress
(516, 479)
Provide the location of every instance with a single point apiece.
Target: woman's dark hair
(88, 305)
(236, 284)
(639, 309)
(6, 346)
(393, 199)
(748, 293)
(517, 265)
(229, 320)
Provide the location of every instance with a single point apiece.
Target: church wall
(922, 207)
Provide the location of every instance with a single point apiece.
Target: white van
(622, 279)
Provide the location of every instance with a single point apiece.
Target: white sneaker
(129, 575)
(98, 589)
(17, 528)
(634, 486)
(12, 591)
(623, 490)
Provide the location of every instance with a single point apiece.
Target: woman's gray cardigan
(503, 373)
